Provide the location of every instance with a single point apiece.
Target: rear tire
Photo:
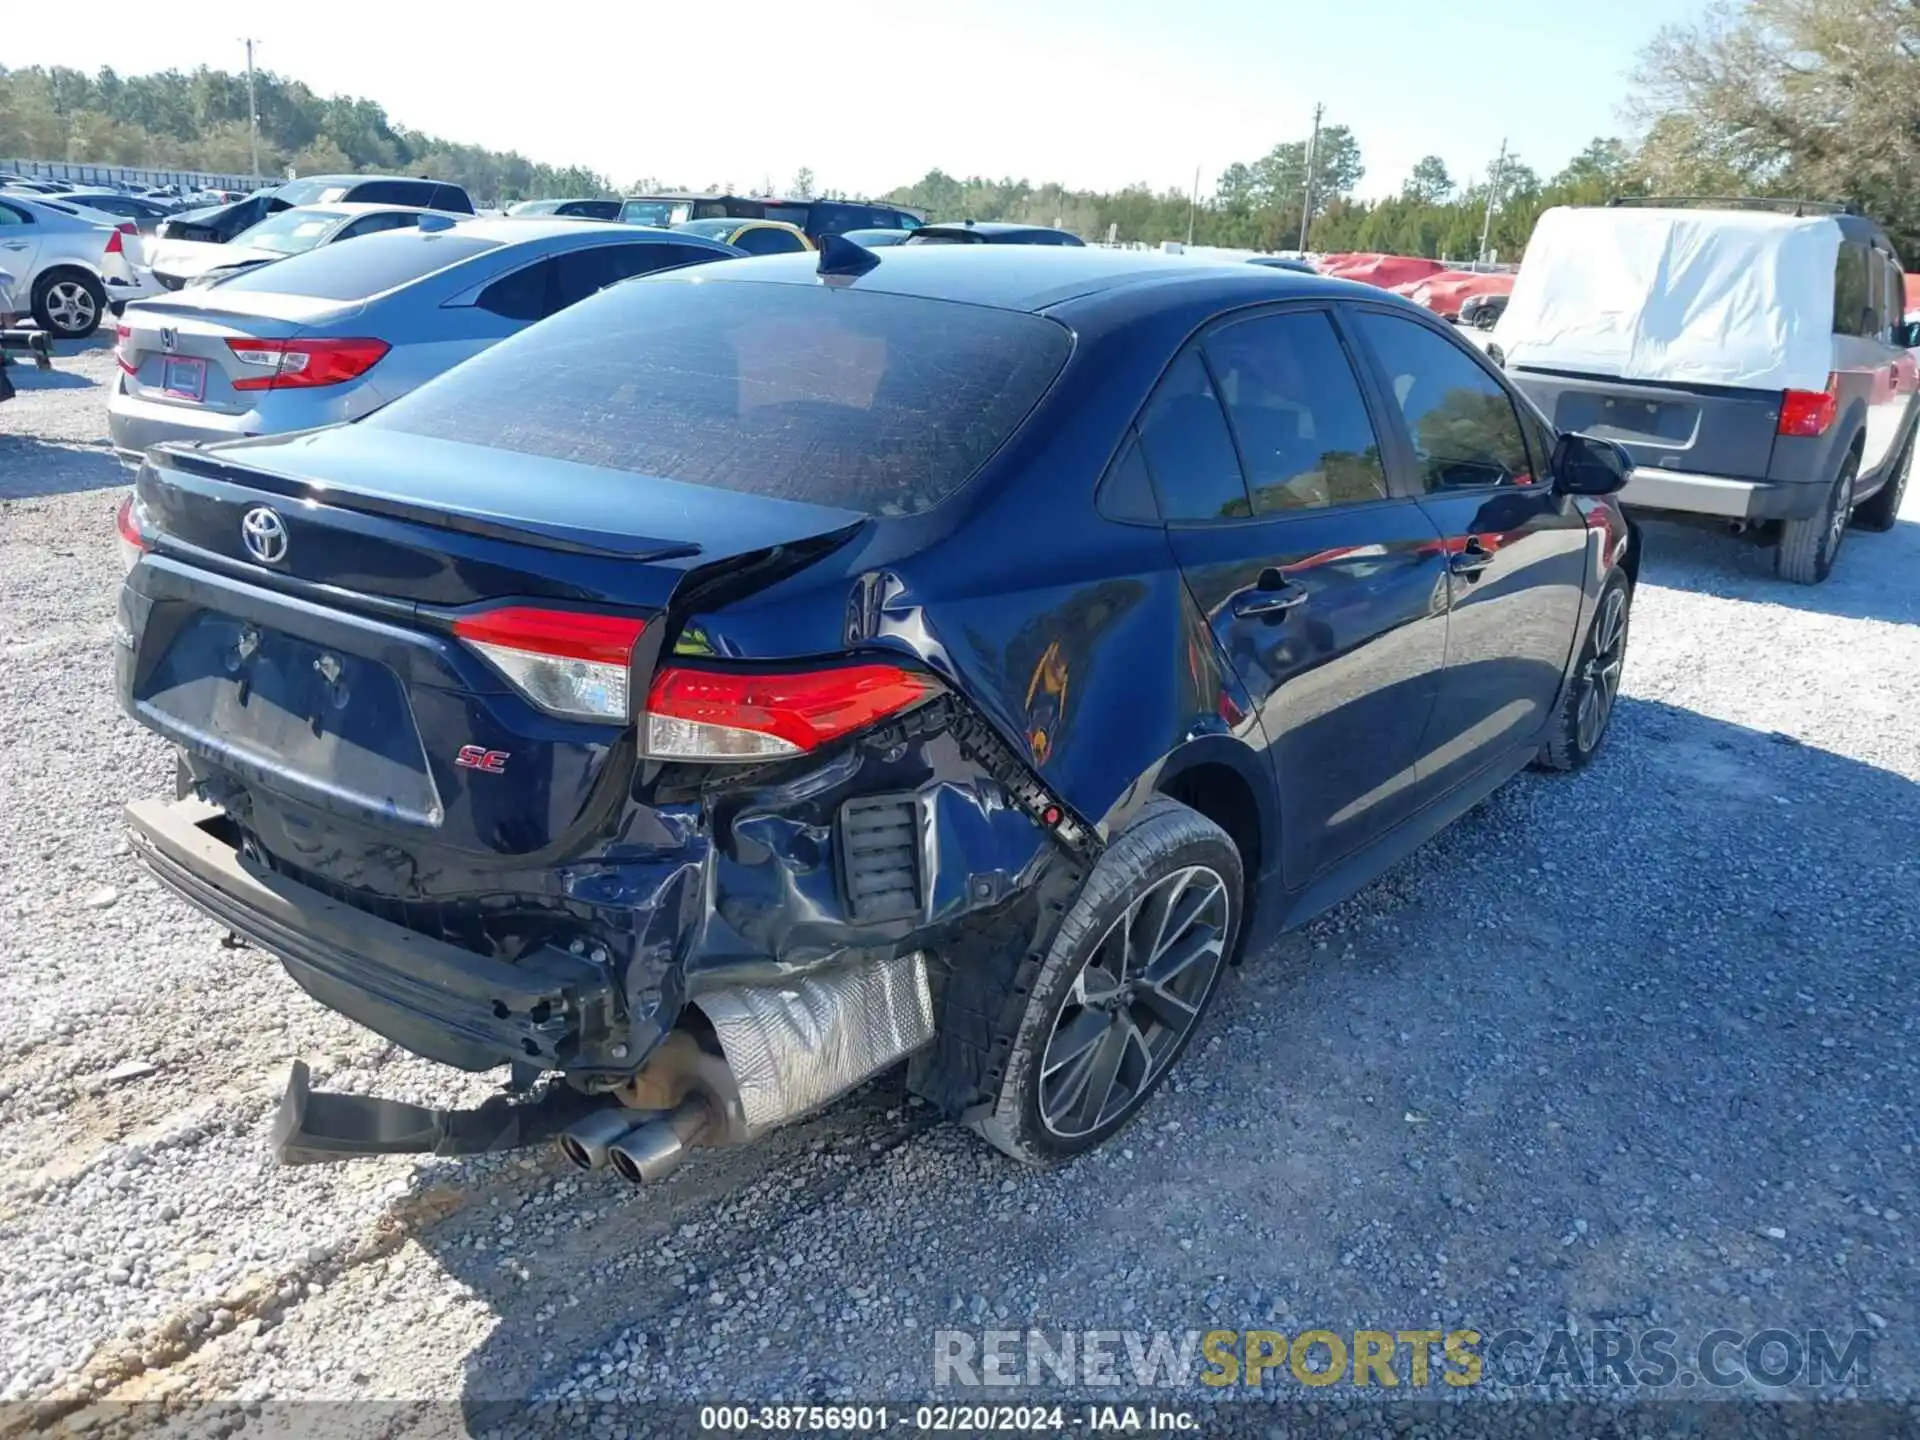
(1881, 513)
(68, 304)
(1123, 988)
(1594, 688)
(1808, 548)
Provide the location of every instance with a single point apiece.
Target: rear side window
(365, 268)
(452, 197)
(1189, 450)
(767, 241)
(864, 401)
(1852, 293)
(1297, 413)
(1465, 431)
(11, 216)
(393, 192)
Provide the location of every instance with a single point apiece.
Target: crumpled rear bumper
(551, 1009)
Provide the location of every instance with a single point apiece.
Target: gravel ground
(1632, 1048)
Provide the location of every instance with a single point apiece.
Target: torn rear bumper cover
(439, 1001)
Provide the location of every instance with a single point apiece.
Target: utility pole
(1306, 202)
(1493, 195)
(253, 111)
(1193, 204)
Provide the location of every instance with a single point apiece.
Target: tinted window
(1463, 426)
(1851, 295)
(1126, 492)
(393, 192)
(452, 197)
(322, 190)
(595, 209)
(374, 224)
(768, 241)
(878, 403)
(370, 267)
(581, 273)
(11, 216)
(521, 295)
(1188, 449)
(1297, 413)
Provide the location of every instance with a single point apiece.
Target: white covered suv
(66, 266)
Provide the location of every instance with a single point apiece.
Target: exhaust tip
(585, 1142)
(649, 1153)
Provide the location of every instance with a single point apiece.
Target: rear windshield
(659, 213)
(310, 192)
(882, 404)
(369, 266)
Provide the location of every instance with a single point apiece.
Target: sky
(870, 94)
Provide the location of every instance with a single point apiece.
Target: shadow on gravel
(31, 468)
(1687, 1006)
(27, 379)
(1873, 579)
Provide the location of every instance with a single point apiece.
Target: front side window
(1297, 412)
(1465, 432)
(1188, 449)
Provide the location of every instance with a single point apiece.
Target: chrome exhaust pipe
(651, 1151)
(585, 1142)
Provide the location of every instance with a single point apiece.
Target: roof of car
(985, 227)
(1033, 277)
(518, 229)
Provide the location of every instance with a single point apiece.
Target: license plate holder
(184, 379)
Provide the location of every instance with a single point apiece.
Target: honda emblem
(169, 340)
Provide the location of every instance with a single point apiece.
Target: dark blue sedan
(755, 676)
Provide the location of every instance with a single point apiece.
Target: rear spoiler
(178, 456)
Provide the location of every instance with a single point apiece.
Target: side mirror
(1584, 465)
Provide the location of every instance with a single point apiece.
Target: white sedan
(178, 263)
(67, 263)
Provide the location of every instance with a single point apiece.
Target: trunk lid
(329, 682)
(1698, 429)
(177, 351)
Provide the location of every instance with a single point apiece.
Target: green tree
(1428, 183)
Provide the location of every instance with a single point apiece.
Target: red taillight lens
(133, 542)
(116, 242)
(567, 662)
(123, 352)
(701, 714)
(1809, 412)
(297, 364)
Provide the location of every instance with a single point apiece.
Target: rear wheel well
(1222, 794)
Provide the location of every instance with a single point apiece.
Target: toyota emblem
(265, 535)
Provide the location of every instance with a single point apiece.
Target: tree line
(198, 121)
(1818, 99)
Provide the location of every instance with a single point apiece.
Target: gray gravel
(1637, 1046)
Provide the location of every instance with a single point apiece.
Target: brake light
(701, 714)
(567, 662)
(132, 541)
(123, 349)
(299, 364)
(116, 242)
(1809, 412)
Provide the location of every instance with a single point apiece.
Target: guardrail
(75, 173)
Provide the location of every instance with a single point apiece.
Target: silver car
(331, 335)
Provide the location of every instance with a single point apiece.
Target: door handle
(1273, 595)
(1471, 560)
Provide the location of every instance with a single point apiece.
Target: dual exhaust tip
(643, 1148)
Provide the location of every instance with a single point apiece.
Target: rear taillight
(123, 352)
(707, 714)
(1809, 412)
(297, 364)
(132, 540)
(116, 243)
(567, 662)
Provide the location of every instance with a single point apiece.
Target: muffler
(653, 1150)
